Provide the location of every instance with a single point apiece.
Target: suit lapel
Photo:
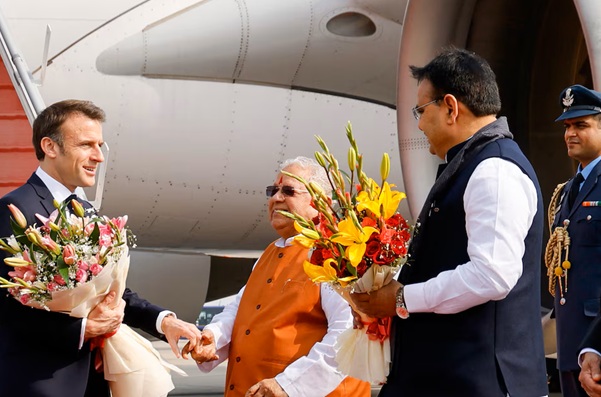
(588, 185)
(44, 195)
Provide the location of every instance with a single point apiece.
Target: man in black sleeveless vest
(468, 302)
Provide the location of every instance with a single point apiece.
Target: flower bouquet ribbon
(68, 265)
(358, 243)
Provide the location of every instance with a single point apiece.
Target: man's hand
(590, 374)
(266, 388)
(174, 329)
(106, 317)
(203, 351)
(380, 303)
(357, 322)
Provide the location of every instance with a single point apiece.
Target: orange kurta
(279, 319)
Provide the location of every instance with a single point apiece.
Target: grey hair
(317, 174)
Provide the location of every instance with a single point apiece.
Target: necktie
(574, 189)
(72, 197)
(85, 204)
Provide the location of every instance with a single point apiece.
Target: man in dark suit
(576, 283)
(467, 304)
(47, 354)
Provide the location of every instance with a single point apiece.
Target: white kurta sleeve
(500, 202)
(222, 325)
(315, 374)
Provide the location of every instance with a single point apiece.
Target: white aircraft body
(205, 98)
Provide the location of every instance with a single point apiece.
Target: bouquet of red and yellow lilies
(358, 243)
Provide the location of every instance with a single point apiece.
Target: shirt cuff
(415, 298)
(586, 350)
(284, 384)
(160, 318)
(82, 334)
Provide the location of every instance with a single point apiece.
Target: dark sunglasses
(288, 191)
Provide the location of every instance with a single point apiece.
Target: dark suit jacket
(584, 277)
(592, 338)
(39, 350)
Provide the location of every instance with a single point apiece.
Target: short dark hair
(465, 75)
(598, 118)
(49, 121)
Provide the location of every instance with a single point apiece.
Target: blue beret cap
(578, 101)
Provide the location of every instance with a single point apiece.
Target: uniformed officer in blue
(573, 256)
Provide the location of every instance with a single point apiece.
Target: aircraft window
(351, 24)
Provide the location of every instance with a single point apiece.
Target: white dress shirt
(312, 375)
(500, 203)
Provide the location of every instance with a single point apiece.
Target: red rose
(394, 221)
(317, 257)
(404, 235)
(361, 268)
(399, 247)
(374, 251)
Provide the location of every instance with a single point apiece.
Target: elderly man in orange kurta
(279, 333)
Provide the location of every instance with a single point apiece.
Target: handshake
(203, 349)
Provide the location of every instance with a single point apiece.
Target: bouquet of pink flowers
(66, 251)
(358, 243)
(68, 265)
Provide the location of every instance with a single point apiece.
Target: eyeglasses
(417, 111)
(288, 191)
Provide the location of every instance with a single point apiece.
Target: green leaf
(351, 269)
(63, 270)
(54, 235)
(60, 263)
(95, 235)
(16, 228)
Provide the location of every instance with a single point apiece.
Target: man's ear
(49, 147)
(452, 107)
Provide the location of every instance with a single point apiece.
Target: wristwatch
(401, 309)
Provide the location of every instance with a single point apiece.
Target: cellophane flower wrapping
(358, 243)
(69, 265)
(365, 353)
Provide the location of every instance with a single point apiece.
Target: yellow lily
(325, 273)
(16, 262)
(384, 204)
(4, 283)
(77, 208)
(307, 237)
(4, 246)
(304, 241)
(320, 274)
(364, 201)
(385, 166)
(390, 200)
(353, 239)
(18, 216)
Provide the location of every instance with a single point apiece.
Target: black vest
(488, 350)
